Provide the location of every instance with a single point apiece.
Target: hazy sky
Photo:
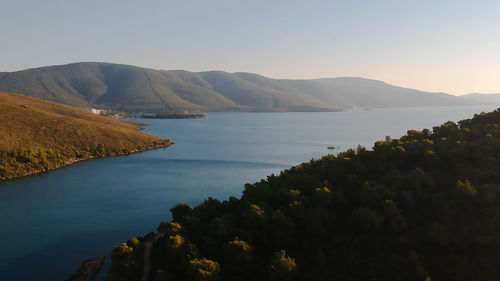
(438, 45)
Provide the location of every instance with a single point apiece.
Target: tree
(180, 212)
(204, 269)
(283, 267)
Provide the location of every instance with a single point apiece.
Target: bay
(49, 223)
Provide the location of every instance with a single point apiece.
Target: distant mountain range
(134, 89)
(486, 98)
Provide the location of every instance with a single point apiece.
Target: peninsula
(38, 136)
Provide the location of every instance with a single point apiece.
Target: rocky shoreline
(88, 270)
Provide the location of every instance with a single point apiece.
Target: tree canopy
(422, 207)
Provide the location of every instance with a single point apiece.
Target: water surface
(50, 223)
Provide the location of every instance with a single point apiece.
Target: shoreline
(75, 161)
(88, 269)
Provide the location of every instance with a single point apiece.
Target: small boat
(331, 147)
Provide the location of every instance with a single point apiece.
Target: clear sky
(438, 45)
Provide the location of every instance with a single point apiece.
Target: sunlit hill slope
(37, 136)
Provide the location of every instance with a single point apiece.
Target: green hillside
(135, 89)
(422, 207)
(37, 136)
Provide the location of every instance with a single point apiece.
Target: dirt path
(147, 257)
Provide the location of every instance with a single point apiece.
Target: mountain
(425, 206)
(487, 98)
(38, 136)
(134, 89)
(365, 93)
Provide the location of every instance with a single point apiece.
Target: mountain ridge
(491, 98)
(130, 88)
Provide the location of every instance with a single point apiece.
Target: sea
(50, 223)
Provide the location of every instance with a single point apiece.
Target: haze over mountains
(488, 98)
(134, 89)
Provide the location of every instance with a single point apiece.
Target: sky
(439, 45)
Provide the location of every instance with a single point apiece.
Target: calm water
(50, 223)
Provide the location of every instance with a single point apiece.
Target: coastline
(88, 270)
(75, 161)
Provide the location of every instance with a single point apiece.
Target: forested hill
(422, 207)
(37, 136)
(135, 89)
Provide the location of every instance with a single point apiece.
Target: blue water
(50, 223)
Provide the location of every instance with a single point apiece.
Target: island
(173, 116)
(38, 136)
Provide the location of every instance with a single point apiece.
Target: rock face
(88, 270)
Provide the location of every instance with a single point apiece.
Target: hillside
(488, 98)
(365, 93)
(135, 89)
(38, 135)
(422, 207)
